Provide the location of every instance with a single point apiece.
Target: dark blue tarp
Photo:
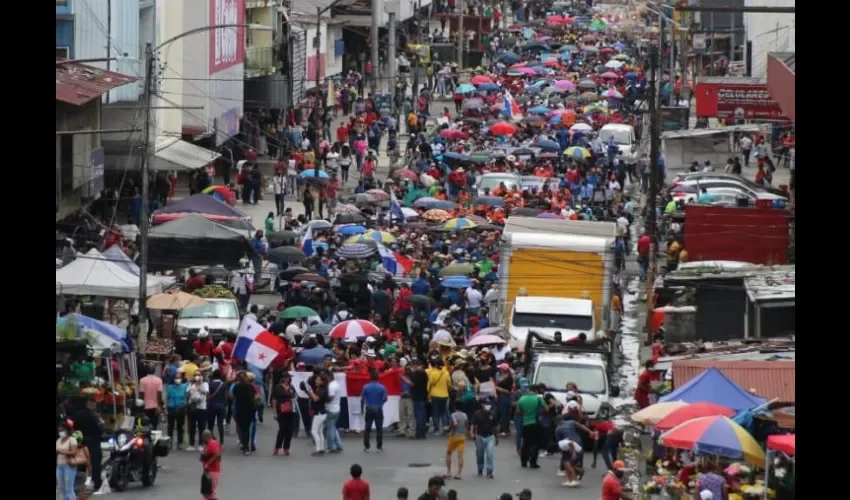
(713, 386)
(200, 204)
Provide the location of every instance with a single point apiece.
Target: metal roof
(78, 84)
(697, 273)
(788, 59)
(768, 379)
(775, 285)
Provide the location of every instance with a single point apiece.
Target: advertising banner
(745, 101)
(228, 125)
(227, 45)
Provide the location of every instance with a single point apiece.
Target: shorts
(456, 443)
(567, 458)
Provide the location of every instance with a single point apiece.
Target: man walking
(372, 399)
(485, 440)
(457, 442)
(406, 421)
(530, 406)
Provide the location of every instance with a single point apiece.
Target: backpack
(468, 394)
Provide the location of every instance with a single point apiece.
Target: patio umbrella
(359, 250)
(690, 412)
(480, 340)
(384, 237)
(297, 312)
(457, 269)
(503, 128)
(652, 414)
(283, 255)
(174, 301)
(354, 328)
(717, 435)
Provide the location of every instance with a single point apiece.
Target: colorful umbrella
(577, 152)
(321, 174)
(459, 224)
(503, 128)
(437, 215)
(690, 412)
(357, 250)
(716, 435)
(222, 193)
(376, 236)
(489, 87)
(480, 79)
(527, 71)
(609, 75)
(652, 414)
(612, 94)
(353, 329)
(565, 85)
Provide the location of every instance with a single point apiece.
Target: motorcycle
(133, 456)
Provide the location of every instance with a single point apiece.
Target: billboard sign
(97, 161)
(227, 45)
(743, 101)
(228, 126)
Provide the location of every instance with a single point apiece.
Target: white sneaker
(190, 448)
(562, 473)
(575, 484)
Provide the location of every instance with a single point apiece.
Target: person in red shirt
(211, 461)
(112, 237)
(403, 300)
(356, 488)
(203, 345)
(342, 133)
(643, 247)
(196, 280)
(643, 386)
(611, 487)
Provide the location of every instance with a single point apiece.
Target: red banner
(227, 45)
(355, 381)
(745, 101)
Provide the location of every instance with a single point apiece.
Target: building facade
(65, 29)
(768, 32)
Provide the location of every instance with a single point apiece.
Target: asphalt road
(404, 462)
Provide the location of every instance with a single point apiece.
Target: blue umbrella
(451, 155)
(555, 120)
(509, 58)
(540, 110)
(531, 89)
(631, 75)
(351, 229)
(541, 83)
(457, 282)
(540, 70)
(465, 88)
(314, 356)
(547, 145)
(312, 173)
(487, 87)
(619, 45)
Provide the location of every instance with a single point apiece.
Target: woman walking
(308, 200)
(66, 473)
(318, 406)
(175, 408)
(283, 402)
(211, 462)
(197, 409)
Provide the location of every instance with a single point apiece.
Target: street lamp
(144, 222)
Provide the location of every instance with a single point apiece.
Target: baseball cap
(618, 465)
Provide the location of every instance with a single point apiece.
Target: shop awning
(177, 154)
(781, 80)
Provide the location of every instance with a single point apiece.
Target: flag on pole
(256, 345)
(392, 263)
(511, 110)
(395, 209)
(307, 242)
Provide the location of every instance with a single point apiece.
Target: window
(493, 182)
(621, 137)
(218, 310)
(554, 321)
(589, 379)
(63, 52)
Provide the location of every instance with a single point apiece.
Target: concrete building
(766, 33)
(64, 29)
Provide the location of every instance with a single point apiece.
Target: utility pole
(460, 34)
(391, 8)
(374, 36)
(144, 217)
(415, 65)
(317, 110)
(649, 209)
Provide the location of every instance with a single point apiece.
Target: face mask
(178, 381)
(198, 379)
(63, 434)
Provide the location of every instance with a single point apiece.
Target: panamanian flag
(256, 345)
(351, 386)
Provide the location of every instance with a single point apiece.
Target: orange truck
(555, 275)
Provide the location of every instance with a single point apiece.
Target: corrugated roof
(78, 84)
(769, 379)
(776, 285)
(788, 58)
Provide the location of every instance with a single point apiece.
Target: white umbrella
(409, 212)
(427, 180)
(614, 64)
(581, 127)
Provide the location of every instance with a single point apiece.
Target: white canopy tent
(95, 274)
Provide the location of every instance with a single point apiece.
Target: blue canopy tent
(104, 333)
(713, 386)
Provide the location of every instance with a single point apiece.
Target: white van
(547, 315)
(624, 138)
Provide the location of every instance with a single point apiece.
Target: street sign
(699, 42)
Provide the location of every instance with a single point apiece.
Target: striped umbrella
(577, 152)
(357, 250)
(353, 329)
(459, 224)
(717, 435)
(373, 236)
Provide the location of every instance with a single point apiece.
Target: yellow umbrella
(377, 236)
(174, 301)
(652, 414)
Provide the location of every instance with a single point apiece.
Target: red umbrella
(518, 65)
(609, 75)
(503, 128)
(353, 329)
(690, 412)
(480, 79)
(406, 173)
(454, 134)
(607, 50)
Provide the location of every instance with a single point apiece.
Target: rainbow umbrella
(222, 193)
(652, 414)
(459, 224)
(717, 435)
(376, 236)
(577, 152)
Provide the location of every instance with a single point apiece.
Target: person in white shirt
(240, 283)
(341, 315)
(295, 328)
(291, 177)
(332, 438)
(473, 300)
(279, 186)
(492, 294)
(622, 225)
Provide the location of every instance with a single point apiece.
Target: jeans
(176, 419)
(376, 416)
(65, 477)
(518, 430)
(285, 425)
(406, 419)
(332, 433)
(485, 449)
(504, 412)
(197, 424)
(440, 414)
(420, 415)
(213, 414)
(611, 448)
(317, 430)
(644, 266)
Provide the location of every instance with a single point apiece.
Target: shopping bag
(206, 484)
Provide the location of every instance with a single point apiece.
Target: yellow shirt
(189, 370)
(673, 252)
(439, 381)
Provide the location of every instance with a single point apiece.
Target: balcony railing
(259, 58)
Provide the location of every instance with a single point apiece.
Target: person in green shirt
(671, 207)
(529, 406)
(270, 223)
(485, 266)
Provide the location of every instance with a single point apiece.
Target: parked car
(711, 184)
(705, 176)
